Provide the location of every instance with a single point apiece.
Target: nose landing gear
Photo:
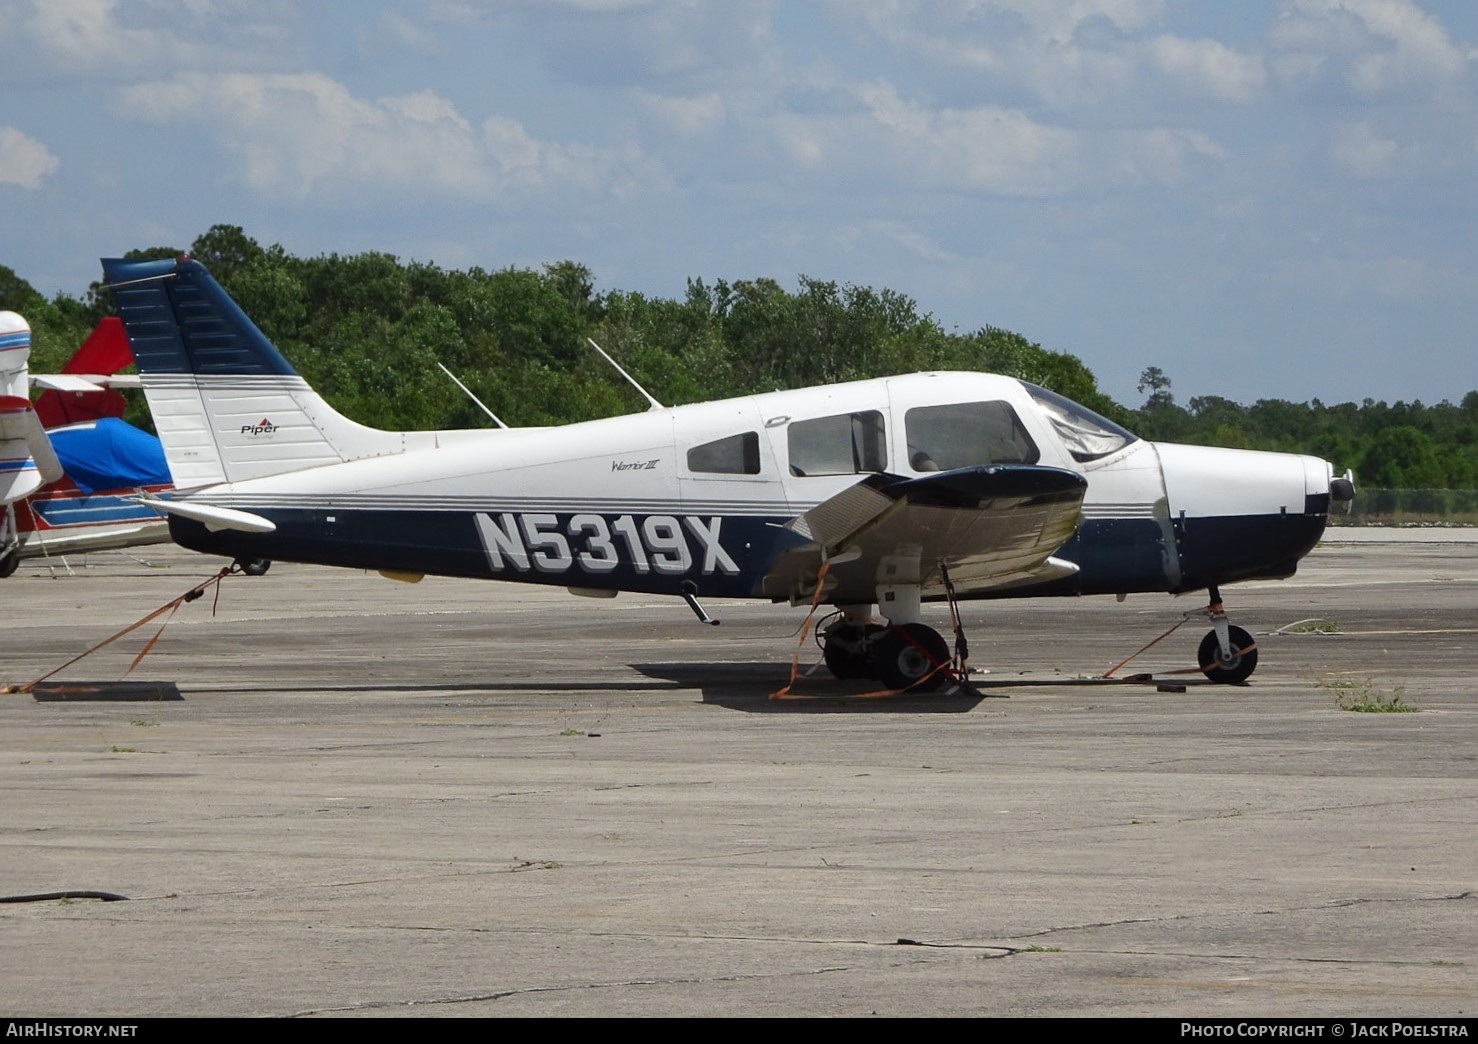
(254, 566)
(1227, 654)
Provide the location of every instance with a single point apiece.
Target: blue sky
(1265, 199)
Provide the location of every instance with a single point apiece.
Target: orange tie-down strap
(167, 608)
(785, 693)
(1108, 674)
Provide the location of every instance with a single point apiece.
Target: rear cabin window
(965, 435)
(735, 455)
(847, 444)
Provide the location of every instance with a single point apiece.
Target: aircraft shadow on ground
(748, 687)
(745, 686)
(737, 686)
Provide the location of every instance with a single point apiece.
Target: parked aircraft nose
(1243, 514)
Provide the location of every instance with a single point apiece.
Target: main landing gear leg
(846, 643)
(1227, 654)
(907, 654)
(10, 545)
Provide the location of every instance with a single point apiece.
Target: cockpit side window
(1085, 434)
(735, 455)
(966, 434)
(846, 444)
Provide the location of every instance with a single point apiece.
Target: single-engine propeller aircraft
(69, 463)
(882, 492)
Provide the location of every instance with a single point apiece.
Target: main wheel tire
(8, 563)
(254, 566)
(842, 660)
(1236, 670)
(912, 656)
(844, 648)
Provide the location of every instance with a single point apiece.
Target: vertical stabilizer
(226, 404)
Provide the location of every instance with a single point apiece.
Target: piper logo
(264, 427)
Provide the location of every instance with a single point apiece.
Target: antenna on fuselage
(480, 404)
(629, 379)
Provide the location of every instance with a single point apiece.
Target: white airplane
(68, 460)
(888, 492)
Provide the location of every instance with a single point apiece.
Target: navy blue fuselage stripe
(1113, 556)
(727, 557)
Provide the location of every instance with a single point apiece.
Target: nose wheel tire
(254, 566)
(910, 657)
(1234, 671)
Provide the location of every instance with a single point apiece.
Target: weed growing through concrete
(1312, 627)
(1364, 696)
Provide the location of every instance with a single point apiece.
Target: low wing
(992, 527)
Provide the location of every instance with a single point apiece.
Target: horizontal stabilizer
(84, 383)
(214, 518)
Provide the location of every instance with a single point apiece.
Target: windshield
(1086, 435)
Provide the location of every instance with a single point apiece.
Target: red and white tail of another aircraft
(69, 465)
(871, 496)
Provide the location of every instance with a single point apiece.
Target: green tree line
(1390, 446)
(367, 330)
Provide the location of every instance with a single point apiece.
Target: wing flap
(991, 526)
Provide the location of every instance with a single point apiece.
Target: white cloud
(1376, 46)
(1362, 152)
(895, 143)
(104, 36)
(1423, 48)
(24, 161)
(80, 33)
(307, 135)
(1023, 43)
(1210, 67)
(688, 116)
(1059, 20)
(985, 148)
(407, 34)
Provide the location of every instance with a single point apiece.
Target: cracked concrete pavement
(473, 799)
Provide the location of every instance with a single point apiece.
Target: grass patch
(1312, 627)
(1364, 696)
